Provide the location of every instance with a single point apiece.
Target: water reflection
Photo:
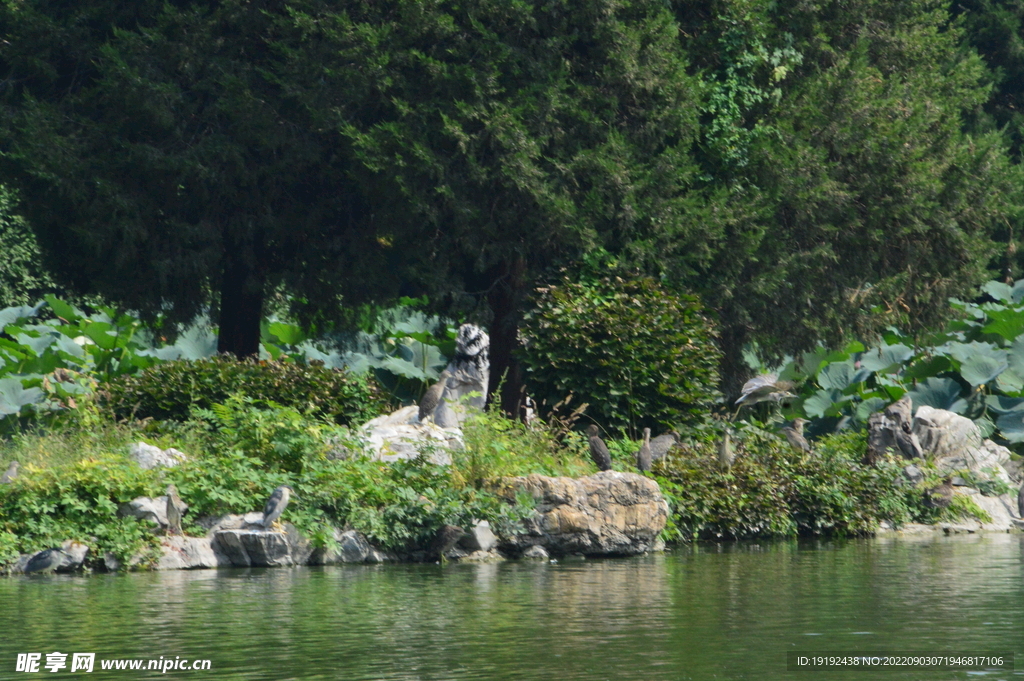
(726, 611)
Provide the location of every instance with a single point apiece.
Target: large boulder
(610, 513)
(188, 553)
(147, 456)
(954, 443)
(261, 548)
(400, 435)
(144, 508)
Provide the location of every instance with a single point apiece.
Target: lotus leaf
(940, 393)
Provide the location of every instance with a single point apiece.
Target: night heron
(433, 397)
(940, 496)
(764, 388)
(598, 449)
(444, 541)
(46, 560)
(275, 506)
(661, 445)
(795, 435)
(175, 509)
(1020, 501)
(725, 453)
(10, 475)
(643, 455)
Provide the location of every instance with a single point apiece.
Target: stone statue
(469, 372)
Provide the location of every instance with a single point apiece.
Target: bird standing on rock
(433, 397)
(643, 456)
(175, 509)
(1020, 501)
(940, 496)
(10, 475)
(598, 449)
(795, 435)
(47, 560)
(275, 506)
(764, 388)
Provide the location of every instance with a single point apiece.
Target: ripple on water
(730, 611)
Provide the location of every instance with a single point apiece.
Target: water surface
(725, 612)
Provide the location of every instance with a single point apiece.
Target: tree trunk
(241, 307)
(504, 299)
(733, 371)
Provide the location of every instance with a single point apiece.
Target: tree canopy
(812, 170)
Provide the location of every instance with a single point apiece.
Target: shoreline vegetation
(80, 388)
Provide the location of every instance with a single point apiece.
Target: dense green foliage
(23, 278)
(974, 367)
(773, 491)
(638, 354)
(240, 453)
(170, 390)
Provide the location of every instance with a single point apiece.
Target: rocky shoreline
(607, 514)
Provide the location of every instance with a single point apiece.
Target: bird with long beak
(643, 456)
(275, 506)
(598, 449)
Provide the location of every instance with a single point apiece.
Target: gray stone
(187, 553)
(483, 557)
(352, 547)
(609, 513)
(479, 538)
(943, 434)
(913, 474)
(400, 435)
(144, 508)
(75, 558)
(535, 552)
(148, 456)
(258, 548)
(231, 521)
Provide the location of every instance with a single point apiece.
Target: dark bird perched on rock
(47, 560)
(764, 388)
(175, 509)
(598, 449)
(795, 435)
(643, 455)
(10, 475)
(725, 453)
(1020, 501)
(661, 445)
(940, 496)
(445, 539)
(275, 506)
(433, 396)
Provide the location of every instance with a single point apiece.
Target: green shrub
(637, 353)
(172, 389)
(773, 491)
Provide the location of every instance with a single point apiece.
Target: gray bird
(795, 435)
(725, 453)
(940, 496)
(598, 449)
(661, 445)
(1020, 501)
(276, 504)
(433, 397)
(10, 475)
(175, 509)
(643, 455)
(764, 388)
(46, 560)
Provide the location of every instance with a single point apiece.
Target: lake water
(706, 612)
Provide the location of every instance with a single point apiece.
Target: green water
(729, 612)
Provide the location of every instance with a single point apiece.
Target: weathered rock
(75, 558)
(479, 538)
(535, 552)
(609, 513)
(400, 435)
(352, 547)
(144, 508)
(943, 434)
(469, 377)
(913, 474)
(147, 456)
(248, 521)
(187, 553)
(258, 548)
